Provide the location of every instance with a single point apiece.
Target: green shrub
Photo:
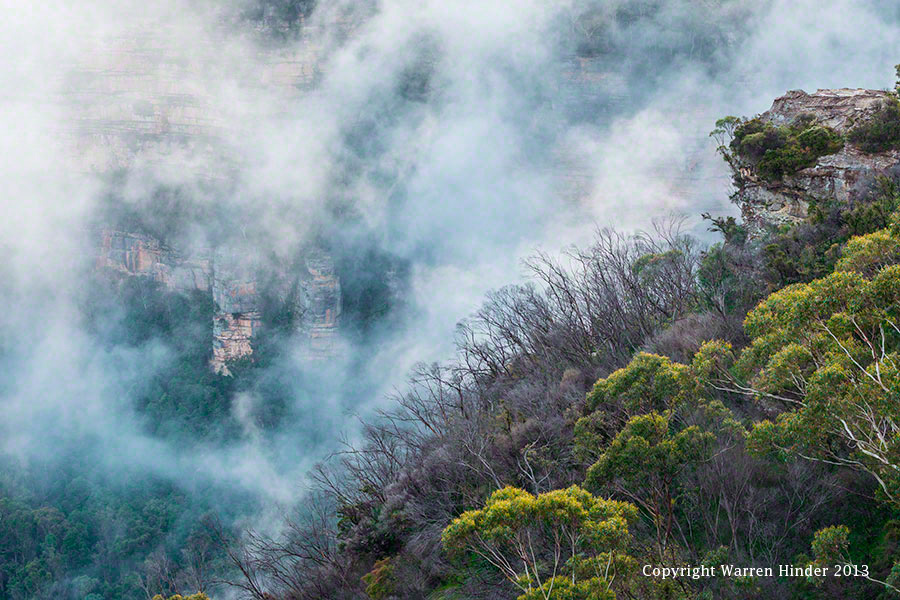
(379, 581)
(776, 152)
(882, 132)
(820, 141)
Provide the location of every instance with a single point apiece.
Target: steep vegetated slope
(650, 401)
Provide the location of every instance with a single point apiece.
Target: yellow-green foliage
(563, 588)
(830, 545)
(711, 358)
(591, 435)
(643, 462)
(197, 596)
(868, 253)
(637, 435)
(563, 533)
(649, 382)
(829, 351)
(647, 454)
(380, 580)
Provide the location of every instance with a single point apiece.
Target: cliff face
(236, 289)
(836, 176)
(138, 103)
(142, 100)
(128, 253)
(322, 306)
(238, 314)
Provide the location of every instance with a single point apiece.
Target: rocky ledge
(837, 176)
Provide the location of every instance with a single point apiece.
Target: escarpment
(310, 290)
(805, 149)
(140, 105)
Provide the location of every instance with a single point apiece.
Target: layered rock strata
(836, 176)
(235, 288)
(143, 102)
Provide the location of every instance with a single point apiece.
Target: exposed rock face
(322, 305)
(235, 288)
(314, 295)
(138, 254)
(839, 109)
(142, 102)
(232, 338)
(836, 176)
(238, 311)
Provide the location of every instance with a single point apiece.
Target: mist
(427, 147)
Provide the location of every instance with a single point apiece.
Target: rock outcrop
(140, 103)
(313, 288)
(238, 316)
(322, 305)
(128, 253)
(836, 176)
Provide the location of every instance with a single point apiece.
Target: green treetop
(564, 544)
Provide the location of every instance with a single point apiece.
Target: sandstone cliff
(143, 99)
(129, 253)
(836, 176)
(140, 101)
(234, 285)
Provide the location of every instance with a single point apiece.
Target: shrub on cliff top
(882, 132)
(776, 152)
